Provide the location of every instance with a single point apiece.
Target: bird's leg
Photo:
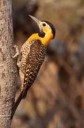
(17, 51)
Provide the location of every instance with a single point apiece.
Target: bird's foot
(16, 51)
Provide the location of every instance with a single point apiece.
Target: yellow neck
(44, 40)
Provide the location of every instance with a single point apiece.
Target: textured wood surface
(7, 69)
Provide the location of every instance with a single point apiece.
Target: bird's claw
(16, 51)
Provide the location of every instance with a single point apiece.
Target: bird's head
(47, 30)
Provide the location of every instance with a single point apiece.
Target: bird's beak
(37, 21)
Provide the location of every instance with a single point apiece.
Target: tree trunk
(7, 68)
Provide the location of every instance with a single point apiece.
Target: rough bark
(7, 68)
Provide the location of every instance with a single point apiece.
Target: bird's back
(34, 60)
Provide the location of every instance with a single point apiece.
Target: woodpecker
(33, 52)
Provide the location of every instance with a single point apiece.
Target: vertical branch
(7, 68)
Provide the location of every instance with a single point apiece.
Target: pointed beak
(37, 21)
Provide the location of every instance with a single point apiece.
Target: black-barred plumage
(34, 61)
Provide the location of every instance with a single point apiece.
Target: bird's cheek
(45, 29)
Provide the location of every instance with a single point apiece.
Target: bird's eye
(44, 24)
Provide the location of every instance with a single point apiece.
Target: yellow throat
(44, 40)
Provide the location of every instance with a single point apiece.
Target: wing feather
(34, 60)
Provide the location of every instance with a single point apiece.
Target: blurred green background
(56, 99)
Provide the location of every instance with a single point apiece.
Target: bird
(33, 52)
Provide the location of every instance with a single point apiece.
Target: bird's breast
(33, 54)
(34, 61)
